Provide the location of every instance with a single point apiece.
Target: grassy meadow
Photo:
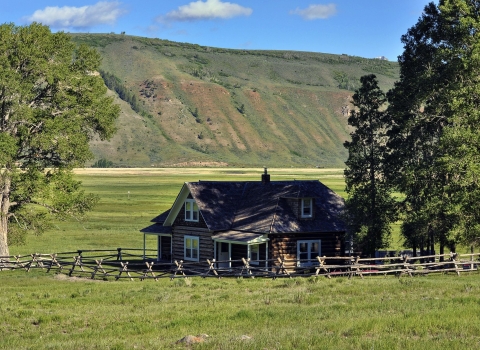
(48, 311)
(130, 198)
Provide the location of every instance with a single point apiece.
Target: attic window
(191, 210)
(307, 208)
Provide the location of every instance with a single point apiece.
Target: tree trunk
(4, 211)
(432, 245)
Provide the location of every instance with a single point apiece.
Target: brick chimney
(265, 177)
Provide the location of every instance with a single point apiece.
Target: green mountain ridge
(206, 106)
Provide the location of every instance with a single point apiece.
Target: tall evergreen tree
(435, 134)
(52, 103)
(370, 205)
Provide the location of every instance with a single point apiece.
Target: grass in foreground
(47, 311)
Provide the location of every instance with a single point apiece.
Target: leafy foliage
(435, 133)
(53, 103)
(344, 81)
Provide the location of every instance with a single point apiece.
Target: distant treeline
(115, 84)
(103, 163)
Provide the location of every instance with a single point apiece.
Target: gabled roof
(262, 208)
(157, 229)
(161, 218)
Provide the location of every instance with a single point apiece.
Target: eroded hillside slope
(209, 106)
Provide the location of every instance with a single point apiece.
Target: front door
(223, 254)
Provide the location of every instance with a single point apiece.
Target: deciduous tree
(435, 135)
(52, 103)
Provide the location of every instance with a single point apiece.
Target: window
(254, 254)
(307, 208)
(191, 210)
(191, 248)
(307, 250)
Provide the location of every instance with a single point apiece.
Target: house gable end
(178, 206)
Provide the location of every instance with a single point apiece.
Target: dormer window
(191, 210)
(307, 208)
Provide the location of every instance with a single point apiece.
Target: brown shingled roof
(161, 218)
(157, 228)
(263, 208)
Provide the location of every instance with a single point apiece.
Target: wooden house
(260, 220)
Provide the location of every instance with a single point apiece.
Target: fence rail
(124, 263)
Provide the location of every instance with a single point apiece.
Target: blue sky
(366, 28)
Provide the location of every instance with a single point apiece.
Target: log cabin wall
(205, 242)
(284, 246)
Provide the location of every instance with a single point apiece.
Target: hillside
(211, 106)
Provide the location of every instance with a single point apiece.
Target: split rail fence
(125, 263)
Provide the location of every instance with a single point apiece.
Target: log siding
(204, 240)
(284, 246)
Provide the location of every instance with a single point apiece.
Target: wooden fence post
(178, 269)
(321, 261)
(54, 261)
(35, 259)
(281, 269)
(148, 270)
(77, 262)
(246, 268)
(98, 267)
(453, 258)
(122, 270)
(406, 266)
(119, 254)
(355, 269)
(211, 267)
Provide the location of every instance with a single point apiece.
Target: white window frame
(254, 249)
(189, 249)
(309, 242)
(191, 210)
(305, 201)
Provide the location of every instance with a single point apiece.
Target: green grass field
(47, 311)
(130, 198)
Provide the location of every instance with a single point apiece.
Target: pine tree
(370, 205)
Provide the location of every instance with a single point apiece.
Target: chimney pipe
(265, 177)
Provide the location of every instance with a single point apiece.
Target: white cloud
(316, 12)
(210, 9)
(103, 12)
